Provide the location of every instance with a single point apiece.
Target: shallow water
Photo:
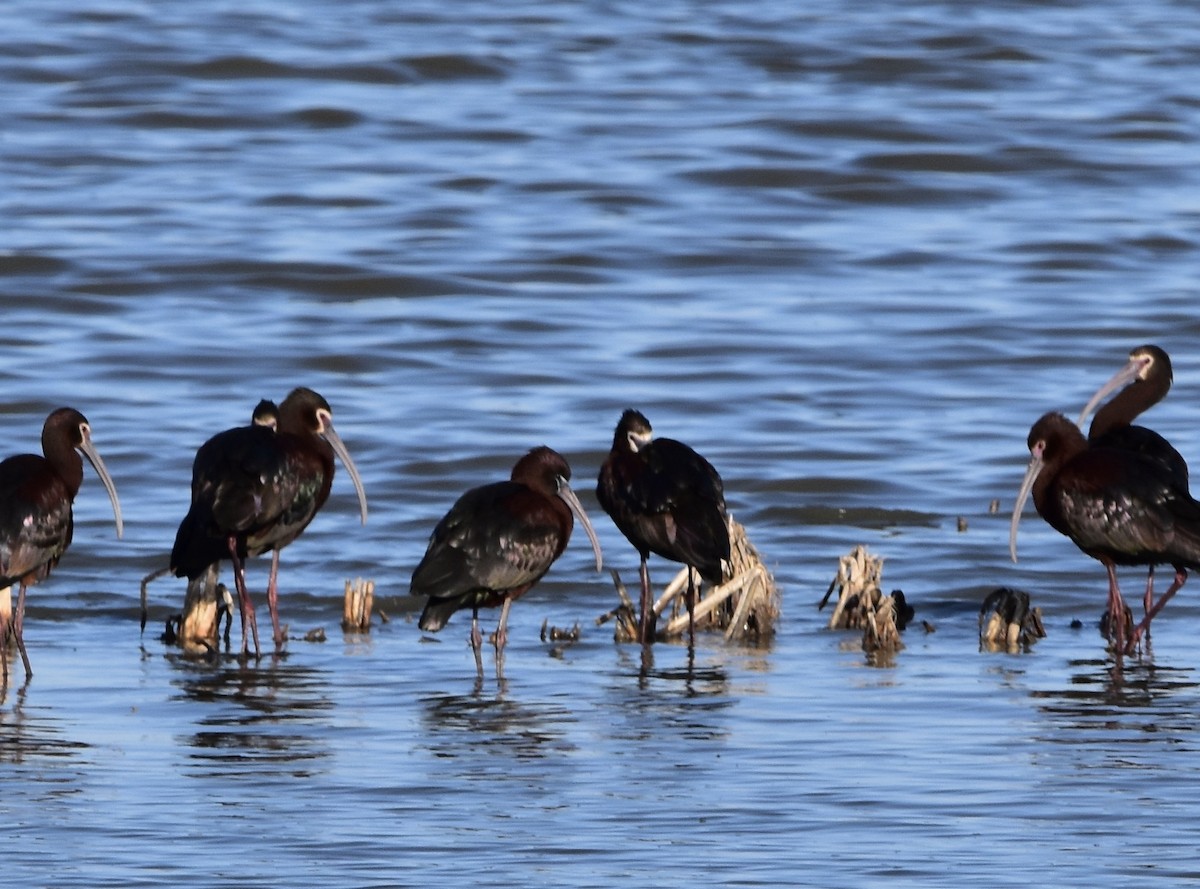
(850, 256)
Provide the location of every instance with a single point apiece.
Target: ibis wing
(498, 537)
(240, 475)
(1131, 508)
(35, 507)
(678, 478)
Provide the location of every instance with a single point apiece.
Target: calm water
(850, 255)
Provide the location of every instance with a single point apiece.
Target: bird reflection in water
(30, 735)
(463, 725)
(277, 716)
(1143, 703)
(689, 702)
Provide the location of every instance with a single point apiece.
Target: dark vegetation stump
(1008, 623)
(204, 605)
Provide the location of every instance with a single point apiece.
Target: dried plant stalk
(357, 603)
(862, 604)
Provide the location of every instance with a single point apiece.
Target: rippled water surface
(848, 254)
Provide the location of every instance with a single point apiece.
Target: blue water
(848, 254)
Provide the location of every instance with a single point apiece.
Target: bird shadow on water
(270, 714)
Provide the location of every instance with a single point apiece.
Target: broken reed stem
(357, 604)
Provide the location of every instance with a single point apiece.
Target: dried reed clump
(357, 603)
(862, 604)
(1008, 623)
(745, 607)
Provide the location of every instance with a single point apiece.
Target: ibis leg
(691, 608)
(502, 626)
(648, 617)
(476, 641)
(19, 630)
(5, 626)
(1144, 626)
(502, 637)
(247, 607)
(273, 599)
(1116, 610)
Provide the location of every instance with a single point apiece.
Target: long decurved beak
(1031, 474)
(89, 451)
(568, 497)
(1120, 379)
(335, 441)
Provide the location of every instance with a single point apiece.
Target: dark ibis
(36, 525)
(496, 542)
(1143, 382)
(265, 413)
(668, 500)
(1117, 506)
(256, 488)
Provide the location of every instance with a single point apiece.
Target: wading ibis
(668, 500)
(496, 542)
(254, 489)
(265, 413)
(1117, 506)
(36, 525)
(1143, 382)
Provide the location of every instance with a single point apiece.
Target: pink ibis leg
(1144, 626)
(273, 599)
(247, 607)
(19, 630)
(691, 608)
(502, 626)
(477, 640)
(1116, 610)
